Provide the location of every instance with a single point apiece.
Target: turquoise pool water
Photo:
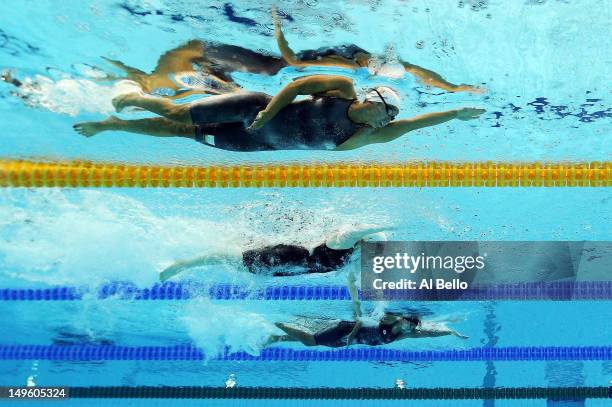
(545, 65)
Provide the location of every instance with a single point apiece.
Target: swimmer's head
(409, 324)
(385, 105)
(406, 323)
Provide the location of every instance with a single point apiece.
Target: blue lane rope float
(552, 291)
(353, 354)
(342, 393)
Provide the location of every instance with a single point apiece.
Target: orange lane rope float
(31, 174)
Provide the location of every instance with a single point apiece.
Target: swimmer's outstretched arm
(183, 265)
(398, 128)
(330, 85)
(428, 330)
(348, 239)
(292, 59)
(434, 79)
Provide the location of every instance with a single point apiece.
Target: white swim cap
(384, 94)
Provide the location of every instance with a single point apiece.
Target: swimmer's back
(316, 123)
(346, 51)
(225, 58)
(337, 335)
(277, 259)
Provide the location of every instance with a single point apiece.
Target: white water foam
(214, 326)
(72, 96)
(84, 237)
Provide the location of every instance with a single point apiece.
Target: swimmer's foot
(7, 76)
(90, 129)
(126, 100)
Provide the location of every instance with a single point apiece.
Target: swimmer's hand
(353, 333)
(469, 113)
(277, 22)
(458, 335)
(261, 119)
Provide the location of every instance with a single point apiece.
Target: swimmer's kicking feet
(7, 77)
(331, 119)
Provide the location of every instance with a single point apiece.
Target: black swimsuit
(346, 51)
(273, 259)
(223, 59)
(337, 335)
(317, 123)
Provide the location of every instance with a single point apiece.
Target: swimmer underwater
(200, 67)
(331, 119)
(390, 327)
(285, 259)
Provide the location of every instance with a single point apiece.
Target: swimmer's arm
(432, 78)
(431, 333)
(341, 86)
(180, 266)
(191, 92)
(398, 128)
(292, 59)
(207, 260)
(283, 46)
(354, 295)
(353, 333)
(348, 239)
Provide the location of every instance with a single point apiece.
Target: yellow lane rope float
(21, 173)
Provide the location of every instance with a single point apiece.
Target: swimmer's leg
(132, 73)
(157, 127)
(176, 112)
(434, 79)
(7, 77)
(306, 338)
(279, 338)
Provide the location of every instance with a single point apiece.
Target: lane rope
(170, 291)
(352, 354)
(38, 174)
(339, 393)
